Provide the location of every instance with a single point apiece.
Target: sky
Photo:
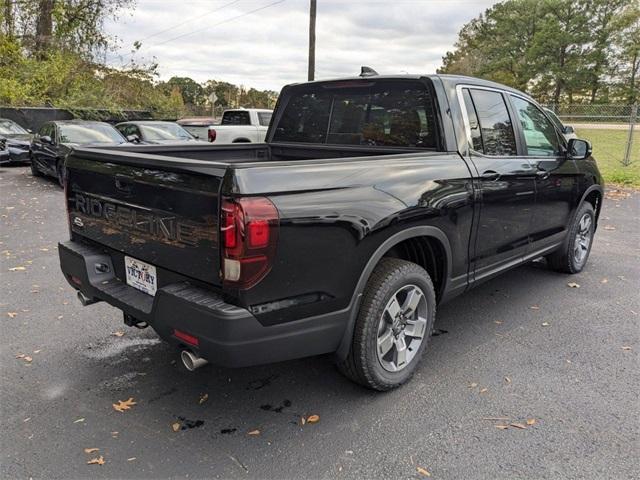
(264, 43)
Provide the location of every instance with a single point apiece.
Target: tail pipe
(191, 361)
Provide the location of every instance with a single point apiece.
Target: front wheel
(34, 169)
(61, 172)
(393, 325)
(573, 255)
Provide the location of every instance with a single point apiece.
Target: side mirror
(133, 138)
(29, 130)
(579, 149)
(568, 129)
(46, 139)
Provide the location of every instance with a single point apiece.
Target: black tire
(34, 169)
(566, 260)
(363, 364)
(61, 172)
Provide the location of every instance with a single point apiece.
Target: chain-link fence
(618, 118)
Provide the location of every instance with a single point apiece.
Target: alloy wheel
(402, 328)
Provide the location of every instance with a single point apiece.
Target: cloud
(268, 48)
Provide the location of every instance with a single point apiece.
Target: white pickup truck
(244, 125)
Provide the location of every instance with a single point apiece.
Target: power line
(219, 23)
(211, 26)
(188, 20)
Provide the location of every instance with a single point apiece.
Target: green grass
(608, 150)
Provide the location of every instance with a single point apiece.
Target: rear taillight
(249, 234)
(211, 134)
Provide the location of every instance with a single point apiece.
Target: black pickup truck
(372, 200)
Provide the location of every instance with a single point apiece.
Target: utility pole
(312, 40)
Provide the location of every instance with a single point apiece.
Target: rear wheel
(573, 255)
(393, 325)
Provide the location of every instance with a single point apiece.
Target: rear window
(237, 117)
(398, 114)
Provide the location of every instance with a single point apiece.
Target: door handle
(490, 175)
(542, 174)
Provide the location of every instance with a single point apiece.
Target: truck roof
(447, 79)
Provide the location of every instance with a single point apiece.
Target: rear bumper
(228, 335)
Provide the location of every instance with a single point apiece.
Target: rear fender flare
(354, 306)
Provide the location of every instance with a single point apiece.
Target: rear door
(505, 181)
(165, 216)
(556, 176)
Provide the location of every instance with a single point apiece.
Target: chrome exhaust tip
(84, 300)
(191, 361)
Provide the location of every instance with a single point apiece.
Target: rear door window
(264, 118)
(399, 114)
(496, 128)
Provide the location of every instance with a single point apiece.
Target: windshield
(9, 127)
(554, 118)
(89, 133)
(371, 113)
(164, 131)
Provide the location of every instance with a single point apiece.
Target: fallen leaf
(531, 421)
(497, 322)
(502, 427)
(175, 426)
(203, 398)
(118, 334)
(604, 280)
(313, 419)
(17, 269)
(423, 471)
(302, 421)
(507, 379)
(473, 385)
(26, 419)
(254, 432)
(79, 420)
(20, 355)
(12, 314)
(518, 425)
(37, 351)
(131, 459)
(534, 307)
(27, 358)
(573, 285)
(545, 324)
(626, 348)
(484, 390)
(91, 450)
(96, 461)
(495, 418)
(121, 406)
(609, 227)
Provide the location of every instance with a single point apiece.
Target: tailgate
(156, 212)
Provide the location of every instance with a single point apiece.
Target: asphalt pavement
(525, 377)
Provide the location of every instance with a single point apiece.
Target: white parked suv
(243, 125)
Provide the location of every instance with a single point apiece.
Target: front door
(556, 177)
(505, 182)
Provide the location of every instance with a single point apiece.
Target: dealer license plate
(141, 275)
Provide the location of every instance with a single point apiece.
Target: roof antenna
(367, 71)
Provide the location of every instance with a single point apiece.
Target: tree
(554, 49)
(192, 92)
